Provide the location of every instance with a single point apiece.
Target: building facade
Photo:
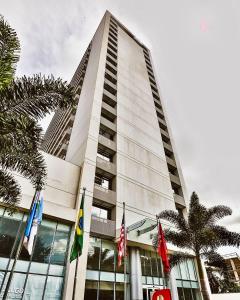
(117, 144)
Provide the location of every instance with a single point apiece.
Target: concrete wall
(229, 296)
(60, 192)
(142, 174)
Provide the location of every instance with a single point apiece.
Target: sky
(195, 46)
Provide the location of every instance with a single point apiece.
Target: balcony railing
(103, 195)
(106, 166)
(103, 227)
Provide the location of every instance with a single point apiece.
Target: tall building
(117, 144)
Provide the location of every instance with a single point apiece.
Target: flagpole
(76, 268)
(125, 248)
(18, 253)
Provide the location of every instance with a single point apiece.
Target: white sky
(195, 46)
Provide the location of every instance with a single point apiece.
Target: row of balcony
(103, 194)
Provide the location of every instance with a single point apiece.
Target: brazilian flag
(78, 238)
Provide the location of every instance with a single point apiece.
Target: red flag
(162, 249)
(122, 241)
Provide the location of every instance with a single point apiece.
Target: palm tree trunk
(203, 285)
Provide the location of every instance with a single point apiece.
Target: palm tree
(200, 234)
(23, 102)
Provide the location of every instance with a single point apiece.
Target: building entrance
(148, 291)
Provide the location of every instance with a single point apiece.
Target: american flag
(122, 241)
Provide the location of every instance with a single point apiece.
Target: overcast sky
(195, 47)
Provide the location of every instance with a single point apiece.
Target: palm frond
(9, 53)
(179, 239)
(36, 96)
(18, 134)
(218, 212)
(175, 218)
(30, 165)
(9, 190)
(214, 259)
(224, 237)
(177, 258)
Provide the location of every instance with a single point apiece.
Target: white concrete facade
(142, 156)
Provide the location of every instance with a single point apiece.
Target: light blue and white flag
(34, 219)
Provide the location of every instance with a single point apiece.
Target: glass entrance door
(147, 292)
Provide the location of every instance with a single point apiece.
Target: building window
(40, 275)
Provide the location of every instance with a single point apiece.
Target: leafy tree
(200, 234)
(23, 102)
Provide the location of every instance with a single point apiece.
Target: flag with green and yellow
(77, 246)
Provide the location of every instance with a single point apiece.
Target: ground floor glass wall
(153, 276)
(40, 275)
(105, 280)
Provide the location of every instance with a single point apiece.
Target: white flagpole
(125, 248)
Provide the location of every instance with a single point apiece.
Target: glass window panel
(187, 294)
(34, 287)
(3, 263)
(119, 291)
(39, 268)
(106, 291)
(176, 272)
(142, 257)
(107, 276)
(186, 284)
(149, 280)
(180, 293)
(91, 288)
(107, 260)
(144, 281)
(154, 264)
(56, 270)
(59, 251)
(196, 294)
(54, 288)
(94, 254)
(22, 265)
(191, 269)
(119, 277)
(184, 270)
(194, 284)
(16, 287)
(63, 227)
(92, 275)
(156, 281)
(44, 242)
(8, 231)
(148, 270)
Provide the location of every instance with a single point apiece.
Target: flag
(34, 219)
(122, 241)
(162, 249)
(78, 238)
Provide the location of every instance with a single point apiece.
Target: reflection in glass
(16, 287)
(106, 291)
(91, 288)
(43, 244)
(180, 293)
(154, 264)
(8, 231)
(119, 291)
(94, 254)
(34, 287)
(107, 260)
(59, 251)
(53, 288)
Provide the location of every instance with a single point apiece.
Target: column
(136, 274)
(173, 286)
